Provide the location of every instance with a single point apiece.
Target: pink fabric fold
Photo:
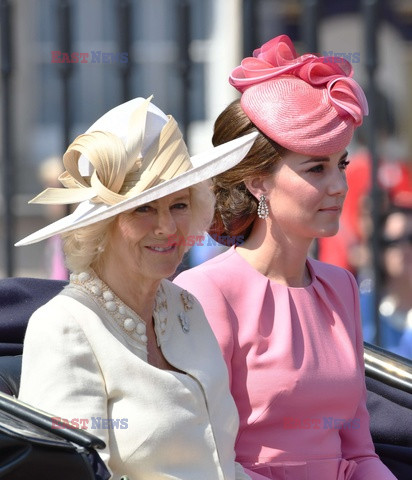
(336, 469)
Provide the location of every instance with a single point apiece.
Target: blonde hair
(83, 247)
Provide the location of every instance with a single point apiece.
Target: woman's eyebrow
(182, 197)
(324, 159)
(176, 199)
(316, 159)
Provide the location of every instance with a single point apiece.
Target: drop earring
(263, 210)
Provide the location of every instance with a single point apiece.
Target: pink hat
(307, 104)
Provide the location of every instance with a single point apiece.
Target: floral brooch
(188, 301)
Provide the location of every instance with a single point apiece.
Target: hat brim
(205, 165)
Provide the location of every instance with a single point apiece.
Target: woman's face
(143, 241)
(307, 194)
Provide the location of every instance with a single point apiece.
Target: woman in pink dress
(288, 325)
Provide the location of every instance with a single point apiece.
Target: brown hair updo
(236, 207)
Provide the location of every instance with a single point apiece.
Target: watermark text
(205, 240)
(338, 57)
(95, 56)
(92, 423)
(296, 423)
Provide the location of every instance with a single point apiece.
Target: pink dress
(295, 360)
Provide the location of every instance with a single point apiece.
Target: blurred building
(179, 50)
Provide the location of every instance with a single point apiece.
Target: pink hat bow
(277, 59)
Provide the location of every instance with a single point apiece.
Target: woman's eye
(180, 206)
(343, 165)
(144, 209)
(317, 168)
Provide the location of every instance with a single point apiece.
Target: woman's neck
(279, 259)
(136, 292)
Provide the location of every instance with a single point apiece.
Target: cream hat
(132, 155)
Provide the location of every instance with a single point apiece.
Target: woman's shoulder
(212, 269)
(333, 275)
(58, 301)
(59, 322)
(209, 280)
(328, 269)
(62, 312)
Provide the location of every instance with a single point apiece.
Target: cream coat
(81, 366)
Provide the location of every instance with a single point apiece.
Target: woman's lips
(161, 248)
(331, 209)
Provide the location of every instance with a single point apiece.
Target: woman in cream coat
(121, 351)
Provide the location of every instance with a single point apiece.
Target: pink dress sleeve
(357, 443)
(216, 309)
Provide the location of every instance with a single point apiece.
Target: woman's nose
(166, 224)
(338, 184)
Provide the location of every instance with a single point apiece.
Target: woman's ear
(257, 186)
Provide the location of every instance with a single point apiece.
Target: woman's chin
(329, 232)
(166, 271)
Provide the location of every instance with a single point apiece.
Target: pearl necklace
(128, 320)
